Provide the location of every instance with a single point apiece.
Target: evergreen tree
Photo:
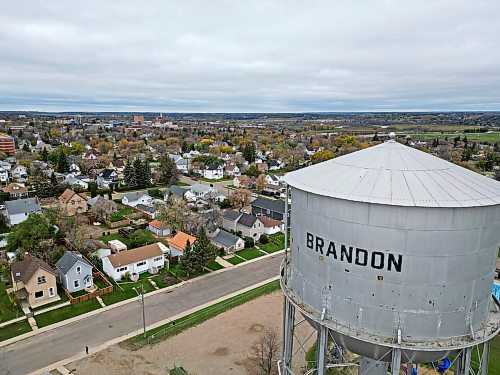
(138, 174)
(146, 170)
(44, 154)
(168, 173)
(188, 260)
(249, 152)
(26, 147)
(62, 162)
(128, 173)
(184, 147)
(205, 252)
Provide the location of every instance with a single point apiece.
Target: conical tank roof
(394, 174)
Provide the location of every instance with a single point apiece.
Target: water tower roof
(394, 174)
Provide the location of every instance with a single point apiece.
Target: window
(158, 259)
(41, 279)
(122, 269)
(51, 292)
(141, 263)
(78, 270)
(39, 294)
(77, 283)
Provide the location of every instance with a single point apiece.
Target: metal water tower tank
(392, 256)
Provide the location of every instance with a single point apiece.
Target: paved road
(46, 348)
(219, 186)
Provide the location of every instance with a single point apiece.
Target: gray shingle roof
(21, 206)
(225, 239)
(247, 220)
(277, 205)
(178, 191)
(135, 195)
(68, 260)
(232, 215)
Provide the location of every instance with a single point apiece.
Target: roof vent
(18, 274)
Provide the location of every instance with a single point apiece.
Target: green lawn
(15, 329)
(176, 270)
(7, 312)
(120, 215)
(144, 236)
(66, 312)
(235, 260)
(168, 330)
(63, 299)
(494, 364)
(484, 137)
(115, 236)
(215, 180)
(165, 280)
(271, 247)
(100, 284)
(180, 183)
(128, 291)
(250, 253)
(214, 266)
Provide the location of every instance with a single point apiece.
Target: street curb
(117, 340)
(127, 301)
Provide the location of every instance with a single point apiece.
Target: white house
(272, 226)
(4, 174)
(232, 170)
(137, 197)
(199, 191)
(227, 241)
(75, 169)
(17, 211)
(181, 163)
(19, 173)
(147, 258)
(159, 228)
(213, 172)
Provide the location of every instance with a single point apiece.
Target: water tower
(392, 257)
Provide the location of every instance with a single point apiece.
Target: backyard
(138, 238)
(120, 214)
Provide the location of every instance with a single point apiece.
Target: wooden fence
(88, 296)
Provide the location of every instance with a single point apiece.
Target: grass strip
(173, 328)
(235, 260)
(66, 312)
(13, 330)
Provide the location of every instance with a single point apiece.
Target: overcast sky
(250, 55)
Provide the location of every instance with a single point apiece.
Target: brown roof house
(147, 258)
(16, 190)
(72, 203)
(34, 281)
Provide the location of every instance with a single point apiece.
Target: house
(150, 211)
(159, 228)
(177, 191)
(92, 201)
(242, 181)
(18, 211)
(4, 174)
(74, 169)
(137, 197)
(181, 163)
(227, 241)
(178, 244)
(34, 280)
(80, 181)
(272, 226)
(16, 191)
(240, 222)
(19, 173)
(74, 272)
(213, 172)
(106, 177)
(275, 164)
(273, 179)
(232, 170)
(274, 208)
(147, 258)
(199, 191)
(72, 203)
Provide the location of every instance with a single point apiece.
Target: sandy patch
(218, 346)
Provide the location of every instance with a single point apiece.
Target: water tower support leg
(462, 366)
(289, 332)
(321, 346)
(396, 361)
(485, 358)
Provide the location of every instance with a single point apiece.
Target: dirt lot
(218, 346)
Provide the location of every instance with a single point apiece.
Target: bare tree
(260, 183)
(265, 351)
(175, 213)
(239, 198)
(103, 208)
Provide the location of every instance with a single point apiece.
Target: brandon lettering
(360, 257)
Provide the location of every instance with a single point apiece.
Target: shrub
(249, 242)
(263, 239)
(126, 276)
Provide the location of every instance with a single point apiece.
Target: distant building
(7, 145)
(138, 119)
(19, 210)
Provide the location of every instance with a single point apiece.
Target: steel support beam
(485, 359)
(289, 324)
(395, 361)
(462, 365)
(368, 366)
(321, 349)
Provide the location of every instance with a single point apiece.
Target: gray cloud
(260, 55)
